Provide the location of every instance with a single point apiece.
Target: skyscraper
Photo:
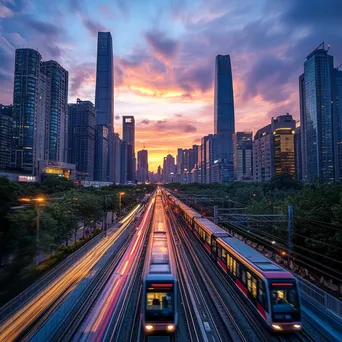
(318, 121)
(169, 169)
(104, 105)
(142, 166)
(243, 156)
(274, 149)
(82, 131)
(128, 135)
(57, 111)
(338, 92)
(224, 120)
(25, 109)
(6, 136)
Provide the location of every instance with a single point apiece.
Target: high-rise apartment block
(243, 156)
(142, 172)
(40, 112)
(274, 149)
(6, 136)
(81, 138)
(169, 169)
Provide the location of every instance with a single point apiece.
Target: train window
(219, 252)
(233, 266)
(224, 255)
(238, 269)
(254, 287)
(159, 302)
(228, 261)
(262, 298)
(213, 245)
(243, 276)
(284, 296)
(208, 239)
(249, 282)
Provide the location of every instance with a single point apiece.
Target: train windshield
(284, 300)
(159, 306)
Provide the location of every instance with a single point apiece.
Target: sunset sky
(164, 52)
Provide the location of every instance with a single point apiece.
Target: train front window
(159, 306)
(284, 300)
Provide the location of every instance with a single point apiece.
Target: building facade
(224, 118)
(56, 122)
(6, 136)
(298, 153)
(128, 135)
(338, 108)
(274, 149)
(243, 156)
(318, 118)
(104, 105)
(169, 169)
(142, 172)
(82, 139)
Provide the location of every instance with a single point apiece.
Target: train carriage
(159, 304)
(271, 290)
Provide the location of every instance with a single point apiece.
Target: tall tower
(128, 135)
(26, 101)
(104, 106)
(318, 118)
(224, 105)
(56, 135)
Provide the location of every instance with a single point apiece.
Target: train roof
(210, 226)
(264, 264)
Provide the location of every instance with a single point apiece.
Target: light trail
(23, 318)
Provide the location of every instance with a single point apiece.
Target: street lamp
(36, 201)
(120, 194)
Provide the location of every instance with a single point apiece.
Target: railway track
(262, 333)
(228, 327)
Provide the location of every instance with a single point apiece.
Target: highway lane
(98, 324)
(24, 318)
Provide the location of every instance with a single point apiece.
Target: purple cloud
(189, 128)
(146, 122)
(161, 44)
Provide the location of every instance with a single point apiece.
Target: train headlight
(149, 327)
(170, 327)
(276, 327)
(297, 326)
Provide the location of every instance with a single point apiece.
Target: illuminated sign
(128, 120)
(27, 179)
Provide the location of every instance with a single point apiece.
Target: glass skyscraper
(338, 92)
(243, 156)
(318, 121)
(224, 120)
(128, 135)
(6, 136)
(104, 106)
(25, 108)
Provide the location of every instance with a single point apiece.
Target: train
(159, 299)
(269, 289)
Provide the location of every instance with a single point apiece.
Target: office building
(123, 162)
(298, 153)
(169, 169)
(128, 135)
(56, 122)
(142, 172)
(243, 156)
(338, 108)
(81, 130)
(104, 105)
(318, 118)
(224, 121)
(274, 149)
(6, 135)
(212, 157)
(117, 158)
(25, 109)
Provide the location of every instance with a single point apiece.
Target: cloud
(117, 117)
(189, 128)
(145, 122)
(81, 75)
(93, 26)
(162, 45)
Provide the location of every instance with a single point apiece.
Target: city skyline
(154, 78)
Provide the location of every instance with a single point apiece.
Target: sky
(164, 56)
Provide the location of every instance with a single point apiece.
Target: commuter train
(159, 302)
(269, 289)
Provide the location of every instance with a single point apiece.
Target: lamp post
(120, 194)
(37, 201)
